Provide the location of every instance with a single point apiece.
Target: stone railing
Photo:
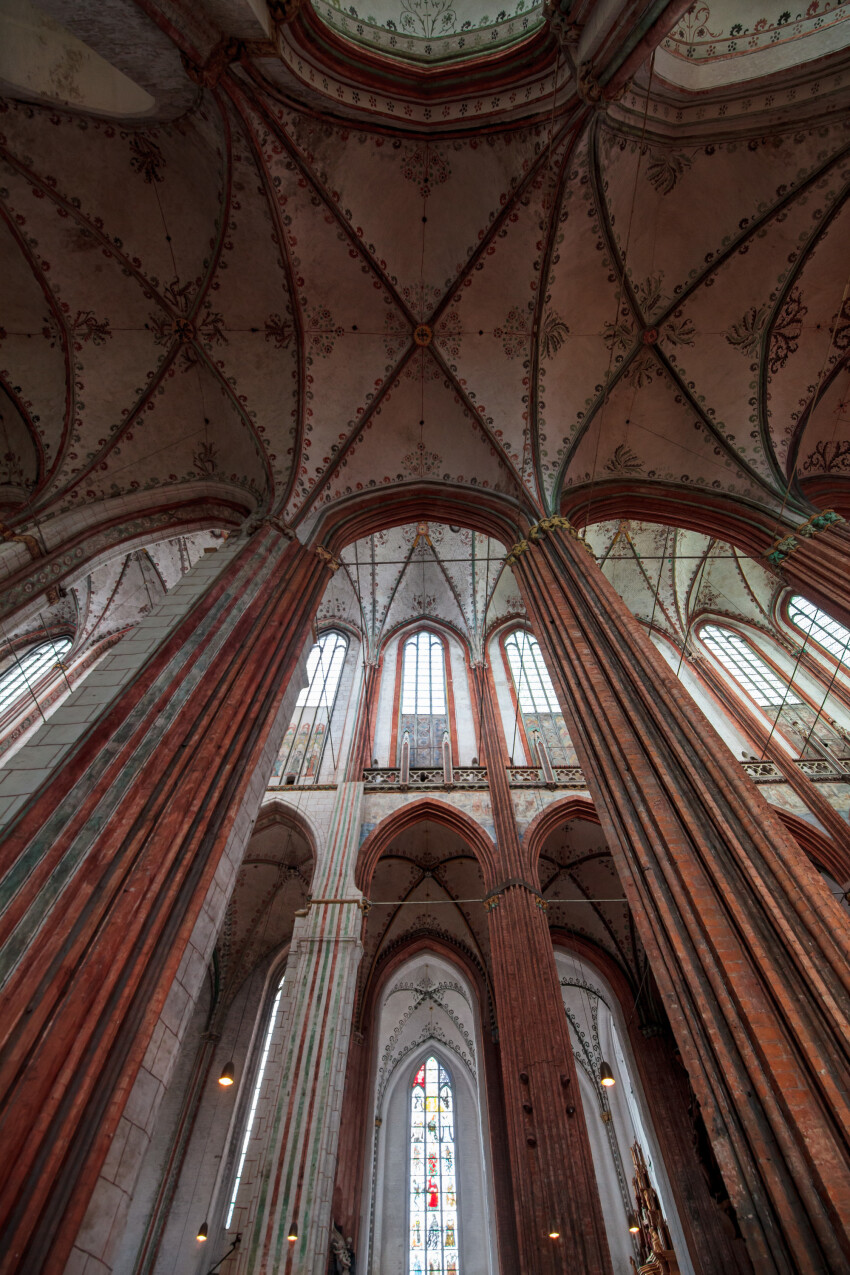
(532, 777)
(377, 777)
(764, 772)
(816, 768)
(819, 768)
(761, 772)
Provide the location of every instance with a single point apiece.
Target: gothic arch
(278, 810)
(439, 812)
(750, 528)
(357, 516)
(549, 819)
(822, 851)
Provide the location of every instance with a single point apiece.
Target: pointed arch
(418, 811)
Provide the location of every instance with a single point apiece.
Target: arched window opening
(542, 718)
(617, 1118)
(750, 671)
(809, 731)
(828, 633)
(255, 1097)
(434, 1238)
(424, 712)
(26, 670)
(300, 756)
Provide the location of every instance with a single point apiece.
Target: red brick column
(749, 949)
(123, 841)
(552, 1169)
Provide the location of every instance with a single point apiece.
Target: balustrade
(761, 772)
(428, 777)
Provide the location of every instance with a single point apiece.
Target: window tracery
(424, 705)
(536, 699)
(751, 672)
(816, 624)
(809, 731)
(300, 756)
(26, 670)
(434, 1237)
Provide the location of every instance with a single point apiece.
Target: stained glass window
(541, 712)
(828, 633)
(300, 756)
(252, 1111)
(25, 670)
(753, 673)
(434, 1238)
(423, 699)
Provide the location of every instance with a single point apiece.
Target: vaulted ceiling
(667, 576)
(260, 307)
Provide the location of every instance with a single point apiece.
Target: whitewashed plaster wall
(427, 1007)
(598, 1031)
(384, 716)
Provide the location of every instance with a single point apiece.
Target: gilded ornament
(327, 558)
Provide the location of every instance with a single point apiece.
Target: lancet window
(25, 671)
(424, 708)
(434, 1238)
(537, 703)
(751, 672)
(255, 1097)
(808, 730)
(300, 756)
(828, 633)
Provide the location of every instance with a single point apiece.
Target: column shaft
(749, 949)
(298, 1154)
(552, 1169)
(105, 869)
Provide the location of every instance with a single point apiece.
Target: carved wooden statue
(656, 1247)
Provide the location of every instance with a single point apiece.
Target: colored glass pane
(434, 1236)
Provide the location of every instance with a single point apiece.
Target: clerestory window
(536, 700)
(434, 1237)
(300, 756)
(25, 671)
(749, 670)
(424, 709)
(828, 633)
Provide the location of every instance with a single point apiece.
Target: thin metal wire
(826, 692)
(404, 903)
(23, 674)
